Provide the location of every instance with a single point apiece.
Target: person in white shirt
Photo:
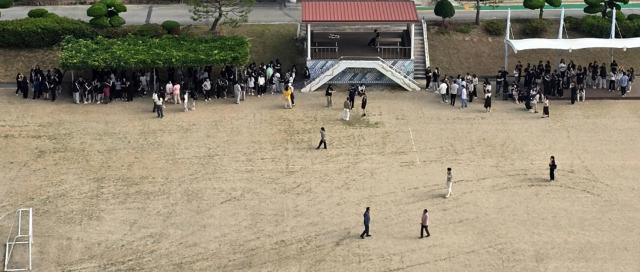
(463, 96)
(487, 95)
(442, 89)
(159, 107)
(206, 89)
(169, 89)
(251, 85)
(449, 182)
(261, 86)
(453, 92)
(237, 92)
(424, 224)
(185, 100)
(154, 98)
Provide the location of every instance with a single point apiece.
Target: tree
(539, 4)
(603, 6)
(478, 11)
(227, 12)
(444, 9)
(106, 13)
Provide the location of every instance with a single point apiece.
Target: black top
(329, 91)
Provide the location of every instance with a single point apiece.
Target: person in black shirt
(328, 93)
(428, 76)
(552, 169)
(367, 220)
(363, 106)
(352, 95)
(574, 93)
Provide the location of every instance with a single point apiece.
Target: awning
(572, 44)
(370, 11)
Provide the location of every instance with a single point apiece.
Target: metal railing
(394, 52)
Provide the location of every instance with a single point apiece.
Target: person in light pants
(346, 111)
(237, 92)
(185, 100)
(449, 182)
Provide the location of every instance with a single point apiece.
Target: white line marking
(414, 146)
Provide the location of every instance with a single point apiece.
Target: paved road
(266, 13)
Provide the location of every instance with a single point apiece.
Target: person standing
(176, 94)
(449, 182)
(77, 89)
(154, 97)
(442, 89)
(453, 91)
(206, 89)
(185, 100)
(168, 90)
(323, 139)
(487, 95)
(286, 94)
(574, 93)
(428, 77)
(552, 169)
(329, 93)
(424, 224)
(463, 96)
(23, 86)
(367, 220)
(346, 110)
(159, 106)
(352, 96)
(237, 92)
(363, 105)
(624, 83)
(545, 108)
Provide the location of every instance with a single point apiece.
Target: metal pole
(30, 234)
(413, 26)
(561, 24)
(308, 41)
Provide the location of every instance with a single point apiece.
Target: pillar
(308, 41)
(412, 31)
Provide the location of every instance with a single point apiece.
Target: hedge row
(139, 52)
(598, 27)
(42, 32)
(45, 29)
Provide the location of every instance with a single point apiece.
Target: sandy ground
(241, 188)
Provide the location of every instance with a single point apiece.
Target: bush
(172, 27)
(534, 28)
(572, 23)
(444, 9)
(37, 13)
(120, 7)
(464, 28)
(100, 22)
(6, 4)
(494, 28)
(595, 26)
(630, 28)
(149, 30)
(116, 21)
(41, 32)
(633, 17)
(97, 10)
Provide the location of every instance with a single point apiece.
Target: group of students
(42, 85)
(465, 88)
(350, 101)
(577, 78)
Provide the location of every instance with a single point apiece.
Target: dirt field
(240, 187)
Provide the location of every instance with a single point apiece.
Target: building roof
(350, 11)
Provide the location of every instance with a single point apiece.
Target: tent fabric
(572, 44)
(365, 11)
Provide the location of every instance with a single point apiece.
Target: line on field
(414, 146)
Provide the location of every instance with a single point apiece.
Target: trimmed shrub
(100, 22)
(172, 27)
(595, 26)
(444, 9)
(534, 28)
(464, 28)
(149, 30)
(630, 28)
(120, 7)
(37, 13)
(6, 4)
(572, 23)
(633, 17)
(494, 28)
(116, 21)
(97, 10)
(41, 32)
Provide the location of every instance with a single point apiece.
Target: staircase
(419, 64)
(377, 63)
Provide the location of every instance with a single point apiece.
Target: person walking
(346, 110)
(552, 169)
(363, 105)
(453, 91)
(323, 139)
(424, 224)
(449, 182)
(329, 93)
(367, 220)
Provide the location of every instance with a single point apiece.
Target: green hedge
(37, 13)
(139, 52)
(97, 10)
(6, 4)
(172, 27)
(149, 30)
(535, 28)
(494, 28)
(116, 21)
(41, 32)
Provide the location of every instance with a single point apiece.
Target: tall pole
(413, 27)
(506, 39)
(561, 24)
(308, 41)
(613, 29)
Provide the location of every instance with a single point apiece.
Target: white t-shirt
(442, 88)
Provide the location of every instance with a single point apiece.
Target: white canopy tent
(565, 44)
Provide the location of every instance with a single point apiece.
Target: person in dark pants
(424, 224)
(574, 93)
(552, 169)
(367, 219)
(352, 96)
(363, 105)
(323, 139)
